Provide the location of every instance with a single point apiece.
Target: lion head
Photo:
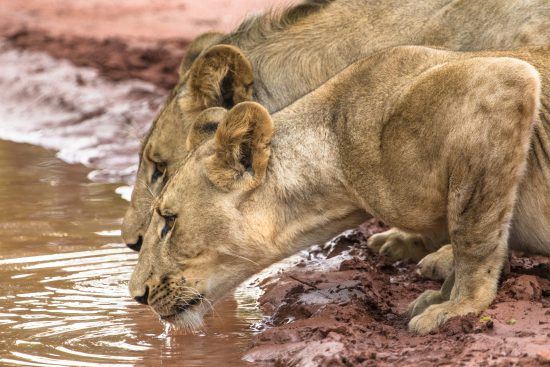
(230, 210)
(220, 76)
(193, 249)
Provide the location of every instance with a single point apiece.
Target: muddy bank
(123, 39)
(86, 118)
(349, 313)
(142, 20)
(115, 58)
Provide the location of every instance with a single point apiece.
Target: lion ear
(195, 48)
(221, 77)
(205, 126)
(242, 147)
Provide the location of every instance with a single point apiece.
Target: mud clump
(521, 287)
(351, 313)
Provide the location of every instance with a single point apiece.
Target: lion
(440, 143)
(276, 58)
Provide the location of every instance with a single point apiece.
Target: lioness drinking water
(296, 51)
(435, 142)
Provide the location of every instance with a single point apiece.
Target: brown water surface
(64, 273)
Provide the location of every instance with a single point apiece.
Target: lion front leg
(479, 232)
(487, 161)
(473, 291)
(480, 212)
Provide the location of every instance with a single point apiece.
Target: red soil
(122, 39)
(136, 20)
(156, 62)
(352, 315)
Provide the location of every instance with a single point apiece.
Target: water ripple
(76, 312)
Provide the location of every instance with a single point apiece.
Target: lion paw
(425, 300)
(437, 265)
(398, 245)
(436, 315)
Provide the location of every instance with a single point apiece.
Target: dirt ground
(342, 307)
(350, 313)
(123, 39)
(143, 20)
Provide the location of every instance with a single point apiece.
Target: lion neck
(290, 60)
(303, 200)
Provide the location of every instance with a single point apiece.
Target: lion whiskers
(227, 252)
(142, 182)
(190, 292)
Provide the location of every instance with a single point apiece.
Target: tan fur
(245, 133)
(532, 232)
(398, 245)
(195, 48)
(294, 51)
(444, 144)
(205, 123)
(437, 265)
(219, 66)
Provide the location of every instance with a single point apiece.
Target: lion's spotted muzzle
(170, 297)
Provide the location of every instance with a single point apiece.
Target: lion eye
(169, 222)
(160, 168)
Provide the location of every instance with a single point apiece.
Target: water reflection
(63, 278)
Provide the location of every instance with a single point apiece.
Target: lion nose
(136, 246)
(143, 298)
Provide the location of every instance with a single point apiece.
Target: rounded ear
(221, 77)
(242, 147)
(205, 126)
(195, 48)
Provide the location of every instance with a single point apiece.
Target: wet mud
(351, 313)
(87, 119)
(136, 20)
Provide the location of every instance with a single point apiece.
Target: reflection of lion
(295, 52)
(436, 142)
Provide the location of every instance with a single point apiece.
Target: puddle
(64, 273)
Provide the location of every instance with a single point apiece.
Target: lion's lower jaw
(191, 320)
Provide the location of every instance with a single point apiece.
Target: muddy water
(64, 273)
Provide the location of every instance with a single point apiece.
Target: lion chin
(189, 321)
